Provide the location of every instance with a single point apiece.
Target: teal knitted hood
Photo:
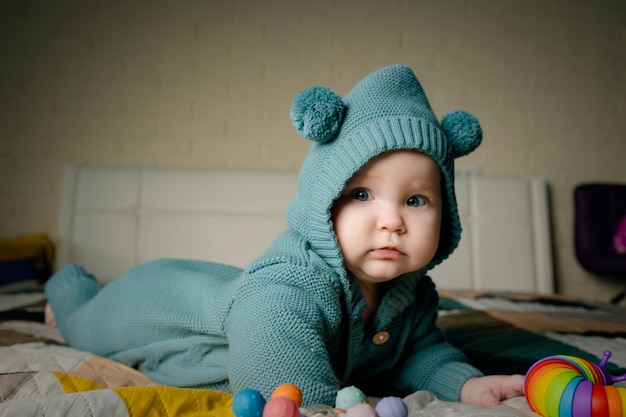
(385, 111)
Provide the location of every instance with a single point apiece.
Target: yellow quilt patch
(158, 400)
(73, 383)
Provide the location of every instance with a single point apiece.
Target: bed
(496, 301)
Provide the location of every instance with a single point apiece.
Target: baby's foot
(69, 289)
(49, 316)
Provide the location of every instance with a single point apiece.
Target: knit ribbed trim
(452, 374)
(401, 295)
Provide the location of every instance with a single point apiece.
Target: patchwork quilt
(38, 379)
(500, 333)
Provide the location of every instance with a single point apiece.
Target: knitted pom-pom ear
(317, 113)
(463, 132)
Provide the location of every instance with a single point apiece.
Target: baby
(341, 298)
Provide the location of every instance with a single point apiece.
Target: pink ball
(361, 410)
(281, 407)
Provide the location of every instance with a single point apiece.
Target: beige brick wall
(195, 83)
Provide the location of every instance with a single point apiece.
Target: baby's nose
(390, 220)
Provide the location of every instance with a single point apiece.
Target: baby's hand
(488, 391)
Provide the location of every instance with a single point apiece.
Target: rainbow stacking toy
(569, 386)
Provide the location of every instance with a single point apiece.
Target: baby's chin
(380, 274)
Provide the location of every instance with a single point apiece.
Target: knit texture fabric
(294, 315)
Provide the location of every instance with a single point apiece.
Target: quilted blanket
(46, 378)
(41, 376)
(39, 379)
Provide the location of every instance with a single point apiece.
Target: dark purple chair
(599, 207)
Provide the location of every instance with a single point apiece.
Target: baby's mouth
(388, 252)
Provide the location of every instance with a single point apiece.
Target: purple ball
(391, 407)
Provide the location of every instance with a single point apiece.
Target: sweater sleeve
(433, 364)
(277, 329)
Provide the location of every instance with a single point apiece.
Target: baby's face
(388, 218)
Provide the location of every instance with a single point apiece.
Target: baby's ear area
(317, 113)
(463, 131)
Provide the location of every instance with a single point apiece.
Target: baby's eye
(361, 195)
(416, 201)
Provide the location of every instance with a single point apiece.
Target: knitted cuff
(449, 379)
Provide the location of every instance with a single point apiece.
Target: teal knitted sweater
(295, 314)
(288, 318)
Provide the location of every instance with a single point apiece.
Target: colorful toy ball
(289, 391)
(361, 410)
(348, 397)
(281, 407)
(391, 407)
(248, 403)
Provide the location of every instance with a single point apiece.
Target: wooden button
(380, 337)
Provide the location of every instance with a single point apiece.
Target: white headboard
(113, 218)
(506, 243)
